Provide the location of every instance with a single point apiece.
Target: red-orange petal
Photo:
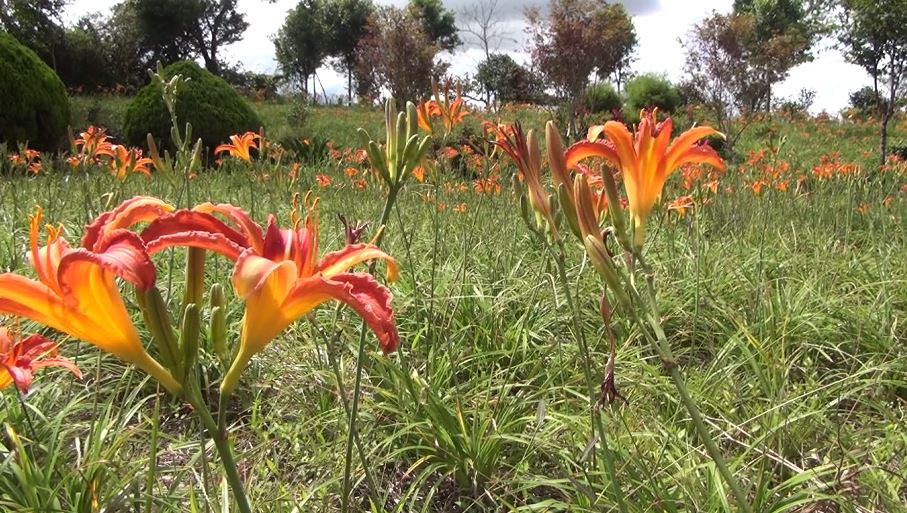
(585, 149)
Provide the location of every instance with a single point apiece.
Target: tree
(396, 54)
(174, 30)
(482, 22)
(873, 35)
(781, 37)
(219, 25)
(438, 23)
(301, 44)
(347, 21)
(576, 38)
(36, 24)
(719, 70)
(508, 81)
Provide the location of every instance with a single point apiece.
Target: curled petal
(253, 274)
(336, 262)
(250, 228)
(216, 242)
(685, 142)
(185, 226)
(371, 300)
(124, 255)
(125, 215)
(585, 149)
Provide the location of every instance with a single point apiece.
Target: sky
(660, 24)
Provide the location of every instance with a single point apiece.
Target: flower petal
(125, 215)
(251, 229)
(197, 229)
(371, 300)
(336, 262)
(124, 255)
(585, 149)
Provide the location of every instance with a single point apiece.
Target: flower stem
(597, 425)
(663, 348)
(223, 449)
(360, 360)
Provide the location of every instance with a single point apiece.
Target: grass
(787, 311)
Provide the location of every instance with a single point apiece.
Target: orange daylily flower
(323, 180)
(681, 204)
(76, 290)
(278, 273)
(424, 112)
(127, 161)
(92, 143)
(240, 146)
(645, 158)
(19, 358)
(451, 111)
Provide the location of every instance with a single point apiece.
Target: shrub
(33, 102)
(603, 99)
(214, 109)
(652, 90)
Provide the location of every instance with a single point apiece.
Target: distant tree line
(581, 51)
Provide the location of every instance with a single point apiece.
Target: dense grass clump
(215, 110)
(33, 103)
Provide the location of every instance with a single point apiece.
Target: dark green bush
(652, 90)
(33, 103)
(603, 99)
(214, 109)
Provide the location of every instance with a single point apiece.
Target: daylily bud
(604, 307)
(157, 319)
(189, 333)
(617, 214)
(598, 254)
(195, 277)
(565, 198)
(217, 334)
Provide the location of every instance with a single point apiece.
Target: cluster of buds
(403, 150)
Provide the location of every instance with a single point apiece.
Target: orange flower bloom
(278, 273)
(128, 161)
(419, 174)
(863, 208)
(645, 160)
(757, 187)
(681, 204)
(240, 146)
(351, 171)
(424, 112)
(526, 155)
(19, 358)
(92, 143)
(361, 184)
(887, 201)
(323, 180)
(711, 185)
(76, 290)
(461, 208)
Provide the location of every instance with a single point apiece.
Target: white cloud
(659, 25)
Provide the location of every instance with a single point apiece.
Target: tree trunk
(883, 138)
(349, 85)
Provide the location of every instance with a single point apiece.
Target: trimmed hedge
(34, 107)
(215, 110)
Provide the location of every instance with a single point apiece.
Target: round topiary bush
(652, 90)
(603, 99)
(33, 103)
(214, 109)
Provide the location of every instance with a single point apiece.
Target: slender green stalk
(360, 360)
(152, 458)
(597, 425)
(663, 348)
(223, 449)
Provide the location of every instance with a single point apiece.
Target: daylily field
(455, 310)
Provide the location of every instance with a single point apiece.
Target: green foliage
(439, 24)
(652, 90)
(301, 44)
(213, 108)
(33, 102)
(865, 101)
(34, 23)
(508, 81)
(346, 24)
(602, 98)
